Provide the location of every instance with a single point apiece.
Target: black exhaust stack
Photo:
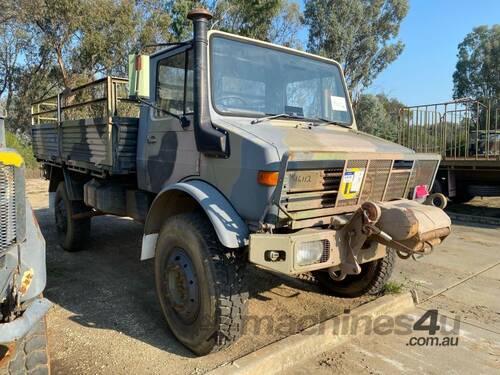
(209, 140)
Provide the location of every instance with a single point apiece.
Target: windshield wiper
(325, 121)
(273, 116)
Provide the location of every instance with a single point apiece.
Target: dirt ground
(106, 317)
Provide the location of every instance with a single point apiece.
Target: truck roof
(255, 41)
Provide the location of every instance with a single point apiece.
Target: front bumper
(406, 226)
(17, 329)
(287, 246)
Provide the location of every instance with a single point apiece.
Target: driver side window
(174, 85)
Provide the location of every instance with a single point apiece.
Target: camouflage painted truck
(23, 340)
(242, 151)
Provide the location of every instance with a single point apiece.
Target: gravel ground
(107, 319)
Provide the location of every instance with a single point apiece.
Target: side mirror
(138, 76)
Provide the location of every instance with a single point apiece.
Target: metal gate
(460, 130)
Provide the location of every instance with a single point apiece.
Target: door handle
(151, 139)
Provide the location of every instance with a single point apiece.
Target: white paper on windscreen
(338, 103)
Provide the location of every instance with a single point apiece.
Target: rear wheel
(72, 233)
(30, 354)
(199, 284)
(372, 279)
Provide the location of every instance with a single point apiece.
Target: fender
(187, 196)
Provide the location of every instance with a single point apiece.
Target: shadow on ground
(477, 207)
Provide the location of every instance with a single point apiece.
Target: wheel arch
(188, 196)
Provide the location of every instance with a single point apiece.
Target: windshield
(252, 80)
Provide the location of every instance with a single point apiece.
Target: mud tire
(371, 281)
(207, 314)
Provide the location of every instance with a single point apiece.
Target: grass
(393, 287)
(23, 149)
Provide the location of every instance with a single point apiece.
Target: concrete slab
(477, 352)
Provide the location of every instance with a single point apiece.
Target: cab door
(169, 153)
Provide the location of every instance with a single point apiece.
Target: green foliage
(24, 150)
(249, 18)
(47, 46)
(359, 34)
(393, 287)
(278, 21)
(377, 115)
(477, 73)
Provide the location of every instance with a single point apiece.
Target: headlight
(310, 252)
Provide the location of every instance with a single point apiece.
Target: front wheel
(372, 279)
(199, 284)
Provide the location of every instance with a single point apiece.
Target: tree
(359, 34)
(277, 21)
(12, 42)
(49, 46)
(377, 115)
(121, 28)
(286, 26)
(56, 22)
(251, 18)
(477, 73)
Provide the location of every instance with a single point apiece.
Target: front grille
(397, 184)
(376, 180)
(311, 194)
(7, 208)
(316, 189)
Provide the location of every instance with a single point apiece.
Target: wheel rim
(61, 217)
(181, 286)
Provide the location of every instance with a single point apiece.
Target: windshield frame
(219, 34)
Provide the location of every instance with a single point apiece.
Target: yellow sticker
(351, 183)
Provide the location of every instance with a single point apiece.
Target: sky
(431, 33)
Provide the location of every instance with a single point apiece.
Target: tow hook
(410, 228)
(353, 235)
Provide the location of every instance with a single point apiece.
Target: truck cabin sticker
(351, 183)
(338, 103)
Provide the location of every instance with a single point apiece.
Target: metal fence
(460, 129)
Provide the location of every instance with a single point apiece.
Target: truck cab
(244, 152)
